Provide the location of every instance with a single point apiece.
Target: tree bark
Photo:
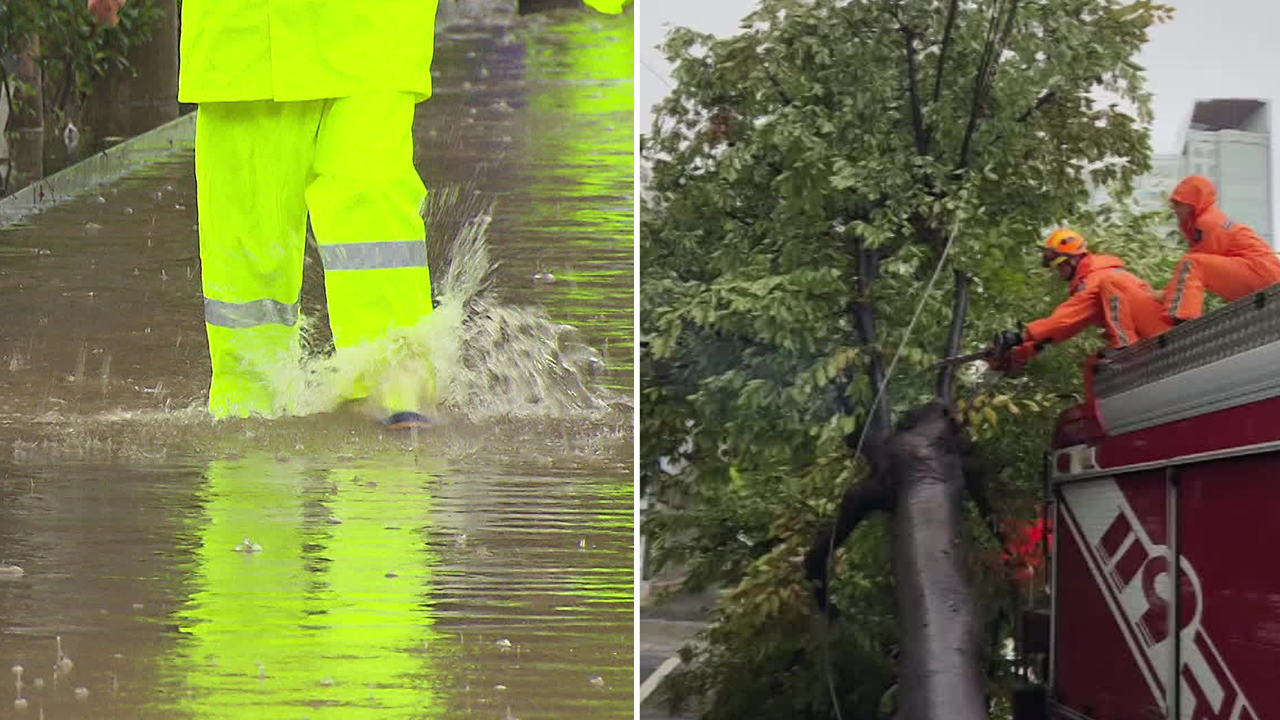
(939, 665)
(27, 121)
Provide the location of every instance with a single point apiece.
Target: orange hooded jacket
(1226, 258)
(1210, 231)
(1103, 293)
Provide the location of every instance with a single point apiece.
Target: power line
(655, 73)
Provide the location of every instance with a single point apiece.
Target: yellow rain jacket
(304, 49)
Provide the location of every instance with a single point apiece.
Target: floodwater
(319, 566)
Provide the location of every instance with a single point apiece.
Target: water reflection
(386, 586)
(329, 607)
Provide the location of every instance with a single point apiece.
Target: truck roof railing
(1248, 323)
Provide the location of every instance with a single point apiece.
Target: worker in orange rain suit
(1226, 258)
(1103, 294)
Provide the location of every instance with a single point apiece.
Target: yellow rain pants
(611, 7)
(261, 167)
(306, 108)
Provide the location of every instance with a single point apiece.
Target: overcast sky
(1212, 48)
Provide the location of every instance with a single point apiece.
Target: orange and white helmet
(1060, 245)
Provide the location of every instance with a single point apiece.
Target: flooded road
(318, 566)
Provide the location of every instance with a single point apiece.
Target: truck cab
(1164, 495)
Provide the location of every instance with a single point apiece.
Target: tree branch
(986, 75)
(859, 502)
(952, 11)
(959, 308)
(786, 99)
(864, 321)
(913, 93)
(979, 87)
(1041, 101)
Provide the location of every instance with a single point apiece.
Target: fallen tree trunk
(939, 673)
(919, 476)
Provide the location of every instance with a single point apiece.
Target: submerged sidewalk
(666, 625)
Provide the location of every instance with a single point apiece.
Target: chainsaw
(996, 353)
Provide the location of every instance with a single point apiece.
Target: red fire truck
(1164, 579)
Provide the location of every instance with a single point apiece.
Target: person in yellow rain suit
(306, 109)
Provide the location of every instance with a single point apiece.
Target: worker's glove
(1021, 355)
(1000, 354)
(1007, 340)
(1013, 361)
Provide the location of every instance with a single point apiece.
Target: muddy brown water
(480, 568)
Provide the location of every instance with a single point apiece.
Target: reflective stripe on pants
(1181, 302)
(1116, 322)
(261, 168)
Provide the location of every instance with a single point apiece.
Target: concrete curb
(99, 169)
(652, 682)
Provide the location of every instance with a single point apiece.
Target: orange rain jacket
(1226, 258)
(1104, 294)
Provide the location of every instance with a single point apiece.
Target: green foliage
(73, 51)
(825, 128)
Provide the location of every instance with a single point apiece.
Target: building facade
(1229, 142)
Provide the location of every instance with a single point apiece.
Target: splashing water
(475, 355)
